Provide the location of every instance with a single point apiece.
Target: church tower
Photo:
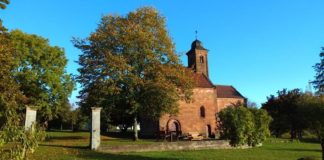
(197, 58)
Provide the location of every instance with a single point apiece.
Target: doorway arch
(173, 125)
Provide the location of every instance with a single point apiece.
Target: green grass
(70, 146)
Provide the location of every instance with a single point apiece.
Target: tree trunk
(135, 129)
(292, 134)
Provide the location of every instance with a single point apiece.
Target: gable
(202, 81)
(227, 92)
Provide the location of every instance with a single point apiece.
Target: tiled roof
(223, 91)
(202, 81)
(227, 92)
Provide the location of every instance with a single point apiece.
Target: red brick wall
(225, 102)
(189, 113)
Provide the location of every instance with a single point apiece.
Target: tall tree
(3, 4)
(41, 73)
(10, 94)
(129, 63)
(319, 78)
(313, 111)
(285, 113)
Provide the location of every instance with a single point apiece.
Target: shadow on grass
(309, 140)
(65, 138)
(65, 146)
(297, 150)
(92, 155)
(86, 153)
(123, 135)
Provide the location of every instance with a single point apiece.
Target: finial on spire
(196, 34)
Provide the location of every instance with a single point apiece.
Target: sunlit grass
(69, 145)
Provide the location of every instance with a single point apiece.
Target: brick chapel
(208, 99)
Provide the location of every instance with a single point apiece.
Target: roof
(202, 81)
(197, 45)
(227, 92)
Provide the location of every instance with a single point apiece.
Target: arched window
(202, 112)
(201, 58)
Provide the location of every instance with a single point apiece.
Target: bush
(244, 126)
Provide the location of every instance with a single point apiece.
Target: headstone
(95, 128)
(30, 117)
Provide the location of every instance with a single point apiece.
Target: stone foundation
(168, 146)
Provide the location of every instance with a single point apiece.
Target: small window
(202, 111)
(201, 59)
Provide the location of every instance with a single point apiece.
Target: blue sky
(258, 46)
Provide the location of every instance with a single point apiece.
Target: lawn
(70, 146)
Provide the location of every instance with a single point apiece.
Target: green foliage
(261, 130)
(319, 77)
(284, 109)
(27, 78)
(129, 67)
(41, 73)
(79, 120)
(313, 109)
(21, 142)
(243, 126)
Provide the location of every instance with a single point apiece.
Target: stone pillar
(30, 117)
(95, 128)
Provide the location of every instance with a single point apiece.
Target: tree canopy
(10, 95)
(41, 73)
(284, 109)
(129, 63)
(312, 108)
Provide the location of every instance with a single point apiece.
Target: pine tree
(319, 77)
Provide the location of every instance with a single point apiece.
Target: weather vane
(196, 34)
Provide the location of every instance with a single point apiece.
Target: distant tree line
(296, 112)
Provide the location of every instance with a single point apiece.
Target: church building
(198, 116)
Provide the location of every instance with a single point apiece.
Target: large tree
(41, 73)
(313, 111)
(129, 64)
(319, 78)
(10, 94)
(284, 110)
(11, 103)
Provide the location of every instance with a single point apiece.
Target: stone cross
(95, 128)
(30, 117)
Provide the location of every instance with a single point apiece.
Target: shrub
(243, 126)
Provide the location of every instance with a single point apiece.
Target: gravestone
(30, 117)
(95, 128)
